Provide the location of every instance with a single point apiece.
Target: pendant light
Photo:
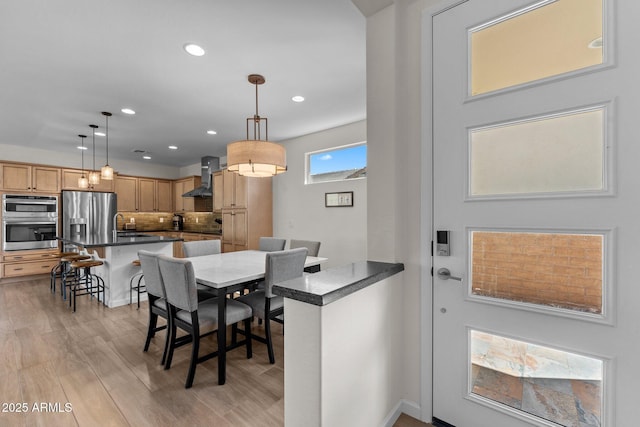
(94, 176)
(83, 182)
(107, 171)
(256, 157)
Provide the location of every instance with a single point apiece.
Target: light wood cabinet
(70, 181)
(29, 178)
(247, 211)
(189, 204)
(137, 194)
(218, 189)
(27, 263)
(234, 190)
(126, 188)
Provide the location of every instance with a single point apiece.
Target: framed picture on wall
(338, 200)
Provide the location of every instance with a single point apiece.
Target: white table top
(231, 268)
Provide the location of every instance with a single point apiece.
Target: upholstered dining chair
(201, 247)
(312, 246)
(271, 244)
(157, 298)
(280, 266)
(198, 319)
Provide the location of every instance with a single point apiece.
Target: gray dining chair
(201, 247)
(197, 319)
(271, 244)
(279, 267)
(312, 246)
(157, 298)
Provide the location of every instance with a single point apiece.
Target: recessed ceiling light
(298, 98)
(100, 134)
(173, 147)
(128, 111)
(212, 132)
(146, 157)
(82, 148)
(194, 49)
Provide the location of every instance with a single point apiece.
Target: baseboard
(403, 406)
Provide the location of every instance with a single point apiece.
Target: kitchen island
(117, 254)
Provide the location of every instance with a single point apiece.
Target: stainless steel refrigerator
(88, 215)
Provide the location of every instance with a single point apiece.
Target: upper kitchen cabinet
(127, 190)
(217, 190)
(70, 181)
(29, 178)
(137, 194)
(190, 204)
(154, 195)
(234, 190)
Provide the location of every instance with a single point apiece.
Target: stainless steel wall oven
(29, 222)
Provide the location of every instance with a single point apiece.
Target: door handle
(445, 274)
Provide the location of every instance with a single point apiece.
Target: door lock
(445, 274)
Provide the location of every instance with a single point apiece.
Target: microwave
(29, 222)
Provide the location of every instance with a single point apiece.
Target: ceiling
(63, 62)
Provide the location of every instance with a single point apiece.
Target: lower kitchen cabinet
(235, 230)
(27, 263)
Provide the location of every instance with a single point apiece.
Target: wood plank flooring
(88, 369)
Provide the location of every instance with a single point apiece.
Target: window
(337, 164)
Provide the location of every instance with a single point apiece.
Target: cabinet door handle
(17, 257)
(17, 269)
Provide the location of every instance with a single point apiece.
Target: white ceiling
(63, 62)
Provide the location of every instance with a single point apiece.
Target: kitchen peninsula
(117, 254)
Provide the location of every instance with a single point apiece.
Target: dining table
(227, 273)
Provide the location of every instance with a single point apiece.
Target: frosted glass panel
(558, 386)
(560, 153)
(550, 39)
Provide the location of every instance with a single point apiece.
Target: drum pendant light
(83, 182)
(94, 176)
(107, 171)
(256, 157)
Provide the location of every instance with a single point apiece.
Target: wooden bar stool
(68, 273)
(56, 270)
(85, 282)
(139, 287)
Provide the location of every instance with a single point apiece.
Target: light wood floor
(92, 362)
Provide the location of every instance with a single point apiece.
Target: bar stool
(85, 282)
(68, 273)
(56, 270)
(139, 287)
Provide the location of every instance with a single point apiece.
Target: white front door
(536, 171)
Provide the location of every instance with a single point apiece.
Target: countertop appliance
(29, 222)
(88, 213)
(178, 222)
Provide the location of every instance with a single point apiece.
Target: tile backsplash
(199, 222)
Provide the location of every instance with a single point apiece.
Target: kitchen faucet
(115, 225)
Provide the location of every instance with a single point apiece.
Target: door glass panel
(544, 40)
(560, 153)
(550, 269)
(555, 385)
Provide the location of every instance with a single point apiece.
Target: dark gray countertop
(330, 285)
(95, 241)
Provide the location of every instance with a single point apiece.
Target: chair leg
(267, 331)
(166, 343)
(195, 346)
(234, 333)
(247, 336)
(172, 344)
(151, 331)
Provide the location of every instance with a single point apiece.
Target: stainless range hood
(209, 165)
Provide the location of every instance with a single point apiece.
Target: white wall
(299, 211)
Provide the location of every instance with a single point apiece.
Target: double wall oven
(29, 222)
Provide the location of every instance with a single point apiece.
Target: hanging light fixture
(94, 176)
(83, 182)
(107, 171)
(256, 157)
